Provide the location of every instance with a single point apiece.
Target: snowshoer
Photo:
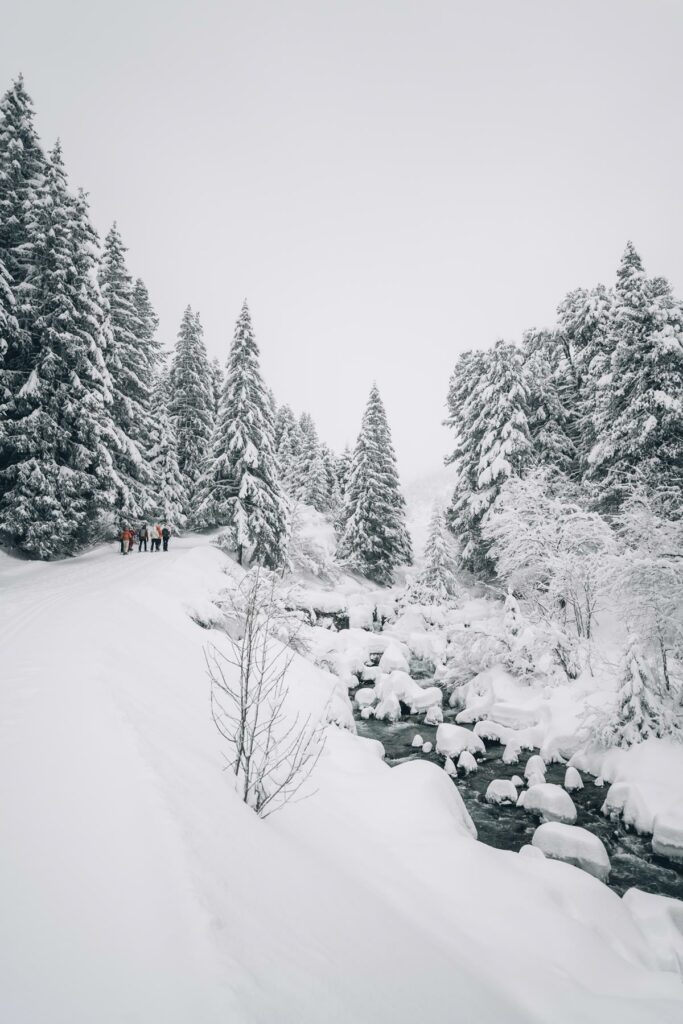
(143, 534)
(165, 534)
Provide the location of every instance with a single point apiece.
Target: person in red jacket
(126, 540)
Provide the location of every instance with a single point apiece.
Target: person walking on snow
(165, 534)
(142, 537)
(126, 540)
(131, 539)
(156, 537)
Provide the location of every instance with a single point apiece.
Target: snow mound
(434, 715)
(572, 780)
(573, 845)
(627, 801)
(488, 730)
(535, 764)
(532, 852)
(427, 748)
(452, 740)
(417, 740)
(449, 767)
(467, 762)
(388, 709)
(423, 700)
(660, 918)
(511, 752)
(393, 660)
(365, 696)
(552, 802)
(667, 834)
(501, 791)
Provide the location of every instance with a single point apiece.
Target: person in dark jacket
(165, 534)
(143, 534)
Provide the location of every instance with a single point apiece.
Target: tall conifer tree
(240, 488)
(191, 402)
(375, 539)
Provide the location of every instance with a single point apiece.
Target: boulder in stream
(667, 837)
(551, 802)
(572, 780)
(501, 791)
(573, 845)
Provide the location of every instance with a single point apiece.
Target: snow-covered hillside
(136, 887)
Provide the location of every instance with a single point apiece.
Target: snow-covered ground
(136, 887)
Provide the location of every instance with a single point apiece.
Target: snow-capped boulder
(434, 715)
(365, 696)
(667, 835)
(514, 716)
(492, 731)
(572, 780)
(452, 740)
(393, 660)
(531, 852)
(511, 752)
(400, 685)
(427, 748)
(421, 700)
(534, 764)
(626, 800)
(411, 621)
(517, 781)
(449, 767)
(467, 762)
(573, 845)
(536, 778)
(367, 712)
(550, 801)
(417, 740)
(388, 709)
(501, 791)
(369, 673)
(660, 918)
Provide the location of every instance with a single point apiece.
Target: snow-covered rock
(434, 715)
(367, 712)
(427, 748)
(573, 845)
(572, 780)
(515, 716)
(452, 740)
(369, 673)
(534, 764)
(517, 781)
(511, 752)
(467, 762)
(501, 791)
(660, 918)
(449, 767)
(532, 852)
(488, 730)
(361, 615)
(667, 834)
(393, 660)
(422, 700)
(417, 740)
(535, 778)
(410, 622)
(550, 801)
(400, 685)
(388, 709)
(365, 696)
(627, 801)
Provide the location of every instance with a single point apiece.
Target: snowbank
(661, 921)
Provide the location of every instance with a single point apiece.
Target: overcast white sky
(388, 182)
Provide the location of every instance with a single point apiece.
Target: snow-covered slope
(135, 887)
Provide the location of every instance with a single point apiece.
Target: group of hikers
(156, 535)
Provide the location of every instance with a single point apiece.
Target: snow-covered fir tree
(639, 412)
(375, 539)
(148, 324)
(437, 574)
(552, 424)
(637, 708)
(58, 482)
(287, 436)
(487, 404)
(191, 402)
(240, 488)
(131, 363)
(169, 496)
(217, 382)
(316, 486)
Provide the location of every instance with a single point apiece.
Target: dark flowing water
(509, 827)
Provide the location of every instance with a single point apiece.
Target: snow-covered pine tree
(437, 578)
(343, 468)
(639, 414)
(375, 539)
(217, 382)
(332, 492)
(240, 488)
(58, 482)
(288, 448)
(9, 330)
(169, 495)
(309, 447)
(487, 403)
(552, 423)
(191, 402)
(148, 324)
(131, 364)
(315, 492)
(637, 711)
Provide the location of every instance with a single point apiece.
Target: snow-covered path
(135, 887)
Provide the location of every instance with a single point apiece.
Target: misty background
(389, 183)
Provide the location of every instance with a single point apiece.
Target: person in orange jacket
(126, 540)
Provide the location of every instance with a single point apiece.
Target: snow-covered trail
(89, 854)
